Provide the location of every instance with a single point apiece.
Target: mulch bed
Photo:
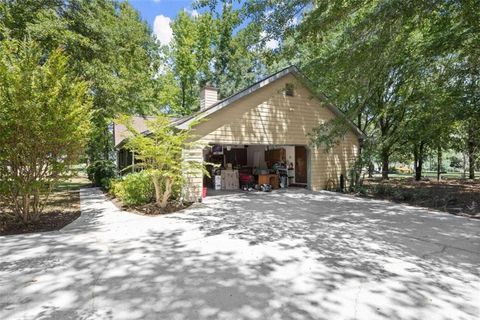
(64, 209)
(150, 209)
(460, 197)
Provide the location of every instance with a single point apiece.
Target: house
(124, 157)
(266, 126)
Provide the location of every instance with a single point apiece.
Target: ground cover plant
(460, 197)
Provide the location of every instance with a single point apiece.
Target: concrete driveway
(295, 255)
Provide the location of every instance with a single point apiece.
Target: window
(289, 89)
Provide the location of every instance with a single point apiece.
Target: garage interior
(255, 167)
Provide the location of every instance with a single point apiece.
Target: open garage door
(300, 164)
(250, 166)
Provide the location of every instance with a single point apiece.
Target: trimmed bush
(134, 189)
(101, 172)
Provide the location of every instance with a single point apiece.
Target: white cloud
(272, 44)
(269, 43)
(194, 13)
(293, 22)
(162, 29)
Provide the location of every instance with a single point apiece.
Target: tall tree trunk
(415, 161)
(385, 151)
(371, 168)
(385, 163)
(357, 167)
(183, 98)
(439, 162)
(419, 169)
(36, 206)
(106, 149)
(418, 154)
(471, 158)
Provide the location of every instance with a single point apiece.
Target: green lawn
(75, 183)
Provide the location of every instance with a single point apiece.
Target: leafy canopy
(44, 123)
(109, 46)
(161, 155)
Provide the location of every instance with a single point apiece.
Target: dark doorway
(300, 164)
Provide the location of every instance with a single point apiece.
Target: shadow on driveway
(293, 255)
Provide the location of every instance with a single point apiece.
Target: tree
(373, 60)
(184, 56)
(188, 62)
(376, 96)
(160, 155)
(44, 123)
(108, 45)
(206, 35)
(206, 50)
(456, 162)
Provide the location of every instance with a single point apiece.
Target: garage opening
(255, 167)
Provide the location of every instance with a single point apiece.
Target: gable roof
(139, 123)
(184, 122)
(121, 133)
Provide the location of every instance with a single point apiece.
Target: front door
(300, 164)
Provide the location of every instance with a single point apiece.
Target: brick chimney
(208, 97)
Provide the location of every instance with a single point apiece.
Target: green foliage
(405, 72)
(364, 160)
(456, 162)
(206, 50)
(384, 190)
(160, 154)
(328, 135)
(360, 189)
(44, 123)
(109, 46)
(101, 172)
(134, 188)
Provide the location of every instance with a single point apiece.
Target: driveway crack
(356, 300)
(442, 250)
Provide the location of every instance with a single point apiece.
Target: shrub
(44, 123)
(402, 195)
(134, 188)
(160, 154)
(360, 189)
(101, 172)
(383, 190)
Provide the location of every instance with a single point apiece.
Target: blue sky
(159, 13)
(152, 8)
